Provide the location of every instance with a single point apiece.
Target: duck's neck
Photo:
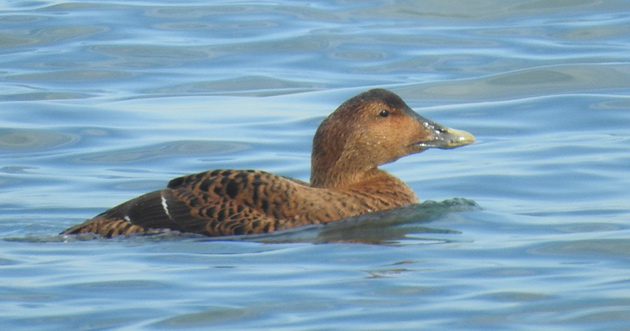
(338, 160)
(338, 169)
(334, 166)
(375, 182)
(342, 177)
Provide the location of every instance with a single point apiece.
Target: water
(102, 101)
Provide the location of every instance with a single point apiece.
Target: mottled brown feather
(347, 149)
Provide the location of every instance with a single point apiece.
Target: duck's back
(233, 202)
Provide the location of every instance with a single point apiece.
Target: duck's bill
(445, 137)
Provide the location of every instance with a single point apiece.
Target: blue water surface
(528, 228)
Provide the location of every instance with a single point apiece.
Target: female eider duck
(368, 130)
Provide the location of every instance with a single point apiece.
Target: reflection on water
(102, 101)
(383, 227)
(167, 150)
(393, 225)
(14, 140)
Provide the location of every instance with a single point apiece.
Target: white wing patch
(165, 207)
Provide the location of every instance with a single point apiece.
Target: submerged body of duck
(368, 130)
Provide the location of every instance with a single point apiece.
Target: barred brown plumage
(348, 147)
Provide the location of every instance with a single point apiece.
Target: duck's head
(370, 129)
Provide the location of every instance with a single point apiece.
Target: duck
(371, 129)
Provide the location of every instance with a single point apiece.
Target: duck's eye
(383, 113)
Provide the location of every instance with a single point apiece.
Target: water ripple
(105, 100)
(168, 150)
(14, 140)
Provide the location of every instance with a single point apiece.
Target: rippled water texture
(527, 228)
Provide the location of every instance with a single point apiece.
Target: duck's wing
(227, 202)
